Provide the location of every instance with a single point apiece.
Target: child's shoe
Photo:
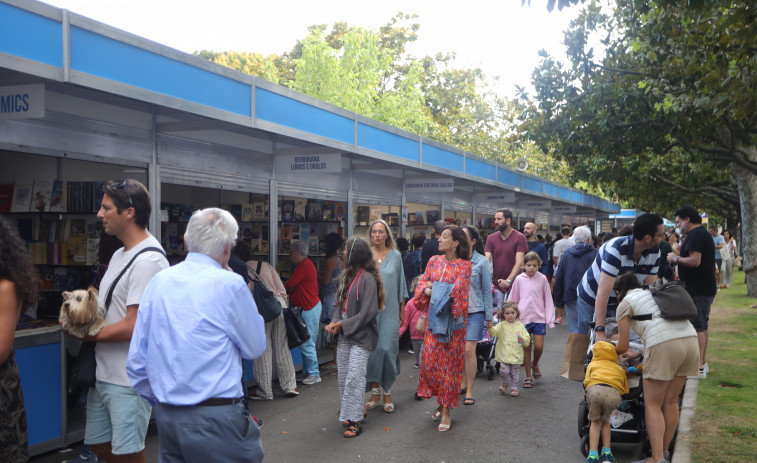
(503, 389)
(606, 457)
(592, 459)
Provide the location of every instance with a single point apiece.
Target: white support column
(153, 180)
(273, 215)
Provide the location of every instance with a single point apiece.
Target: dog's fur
(80, 313)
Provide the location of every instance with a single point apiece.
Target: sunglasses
(122, 186)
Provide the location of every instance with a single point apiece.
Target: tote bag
(297, 330)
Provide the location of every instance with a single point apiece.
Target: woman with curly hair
(18, 291)
(353, 319)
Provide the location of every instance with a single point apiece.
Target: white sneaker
(411, 352)
(702, 373)
(706, 367)
(310, 380)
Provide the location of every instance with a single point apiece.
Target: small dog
(80, 313)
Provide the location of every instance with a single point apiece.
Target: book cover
(22, 196)
(247, 212)
(43, 189)
(77, 249)
(264, 246)
(258, 210)
(304, 233)
(339, 211)
(56, 196)
(286, 232)
(287, 210)
(92, 244)
(78, 227)
(412, 219)
(43, 233)
(375, 213)
(313, 245)
(314, 210)
(419, 218)
(327, 212)
(300, 209)
(236, 211)
(6, 197)
(432, 216)
(363, 215)
(296, 232)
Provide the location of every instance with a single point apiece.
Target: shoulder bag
(85, 366)
(673, 300)
(268, 306)
(297, 330)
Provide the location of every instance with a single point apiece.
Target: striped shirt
(616, 258)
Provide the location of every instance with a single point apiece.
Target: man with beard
(529, 230)
(505, 249)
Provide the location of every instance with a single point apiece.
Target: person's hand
(503, 284)
(671, 257)
(489, 324)
(337, 328)
(600, 336)
(429, 284)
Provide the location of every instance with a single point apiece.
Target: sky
(499, 36)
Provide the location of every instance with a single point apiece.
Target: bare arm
(650, 279)
(600, 305)
(692, 260)
(624, 325)
(9, 312)
(119, 331)
(517, 267)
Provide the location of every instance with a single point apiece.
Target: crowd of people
(175, 336)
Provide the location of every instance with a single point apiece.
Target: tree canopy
(657, 103)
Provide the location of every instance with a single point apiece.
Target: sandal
(444, 427)
(370, 405)
(503, 390)
(388, 407)
(469, 401)
(347, 423)
(436, 415)
(536, 370)
(528, 383)
(354, 430)
(514, 393)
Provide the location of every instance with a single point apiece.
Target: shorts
(475, 329)
(602, 400)
(537, 329)
(703, 304)
(677, 357)
(718, 263)
(117, 414)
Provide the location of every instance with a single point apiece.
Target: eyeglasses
(122, 186)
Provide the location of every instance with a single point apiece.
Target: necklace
(382, 258)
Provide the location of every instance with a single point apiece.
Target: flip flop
(537, 371)
(469, 401)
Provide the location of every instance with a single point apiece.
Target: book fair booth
(82, 103)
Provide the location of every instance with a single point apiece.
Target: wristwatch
(509, 281)
(600, 329)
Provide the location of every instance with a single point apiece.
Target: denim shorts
(475, 329)
(703, 304)
(538, 329)
(117, 414)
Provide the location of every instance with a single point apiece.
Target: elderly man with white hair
(196, 322)
(302, 288)
(573, 264)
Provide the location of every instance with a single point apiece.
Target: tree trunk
(748, 198)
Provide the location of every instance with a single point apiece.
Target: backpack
(674, 301)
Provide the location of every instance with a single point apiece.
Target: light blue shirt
(480, 294)
(195, 322)
(718, 240)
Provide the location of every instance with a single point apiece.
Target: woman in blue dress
(384, 362)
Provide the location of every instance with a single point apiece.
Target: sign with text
(309, 163)
(22, 101)
(564, 209)
(539, 204)
(430, 185)
(502, 197)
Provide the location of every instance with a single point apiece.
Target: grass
(725, 422)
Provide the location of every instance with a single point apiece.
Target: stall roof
(197, 97)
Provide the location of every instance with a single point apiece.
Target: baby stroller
(485, 349)
(627, 422)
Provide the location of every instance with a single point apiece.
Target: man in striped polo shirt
(638, 253)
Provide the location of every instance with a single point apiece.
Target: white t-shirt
(111, 356)
(560, 247)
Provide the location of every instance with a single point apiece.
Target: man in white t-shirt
(561, 246)
(117, 417)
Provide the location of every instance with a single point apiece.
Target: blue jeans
(312, 319)
(571, 314)
(586, 316)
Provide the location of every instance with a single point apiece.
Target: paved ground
(540, 425)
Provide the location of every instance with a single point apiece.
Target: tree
(659, 103)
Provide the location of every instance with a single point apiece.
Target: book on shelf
(363, 215)
(92, 244)
(314, 210)
(6, 197)
(43, 190)
(56, 197)
(287, 210)
(295, 232)
(264, 246)
(247, 212)
(77, 249)
(432, 216)
(236, 211)
(412, 219)
(419, 218)
(22, 195)
(300, 209)
(304, 233)
(259, 210)
(327, 212)
(339, 211)
(313, 245)
(286, 232)
(375, 213)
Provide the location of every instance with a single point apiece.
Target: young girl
(412, 314)
(353, 320)
(512, 338)
(531, 291)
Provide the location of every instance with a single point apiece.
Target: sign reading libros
(22, 101)
(309, 163)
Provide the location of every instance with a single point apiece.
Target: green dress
(384, 362)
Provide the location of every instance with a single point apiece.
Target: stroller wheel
(584, 445)
(583, 418)
(479, 364)
(490, 372)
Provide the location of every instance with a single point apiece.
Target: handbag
(297, 330)
(420, 326)
(83, 373)
(268, 305)
(673, 300)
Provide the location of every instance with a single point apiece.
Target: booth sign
(430, 185)
(22, 101)
(309, 163)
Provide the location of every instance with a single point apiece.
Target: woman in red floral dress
(442, 362)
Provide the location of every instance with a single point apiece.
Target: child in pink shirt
(411, 321)
(531, 291)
